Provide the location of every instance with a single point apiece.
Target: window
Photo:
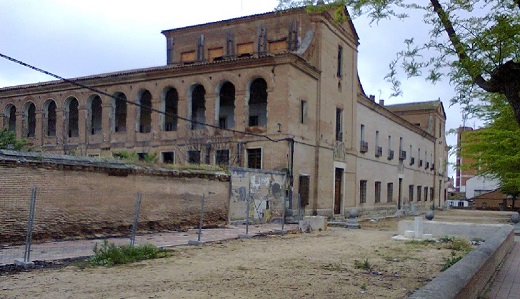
(51, 119)
(340, 61)
(194, 157)
(226, 116)
(431, 193)
(389, 192)
(145, 112)
(222, 122)
(419, 188)
(168, 157)
(303, 111)
(170, 106)
(377, 188)
(339, 124)
(410, 192)
(253, 120)
(258, 103)
(222, 157)
(425, 193)
(254, 158)
(362, 191)
(141, 156)
(198, 107)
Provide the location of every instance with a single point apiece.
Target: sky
(80, 38)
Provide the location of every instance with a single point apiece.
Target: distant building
(494, 200)
(275, 91)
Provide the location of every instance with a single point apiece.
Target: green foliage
(124, 155)
(456, 244)
(110, 254)
(151, 158)
(365, 265)
(448, 262)
(8, 141)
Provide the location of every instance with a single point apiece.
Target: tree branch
(459, 47)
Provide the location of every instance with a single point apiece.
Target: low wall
(468, 277)
(440, 229)
(82, 197)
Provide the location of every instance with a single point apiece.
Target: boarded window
(362, 191)
(216, 54)
(278, 46)
(245, 49)
(187, 57)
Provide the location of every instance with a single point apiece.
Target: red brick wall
(83, 201)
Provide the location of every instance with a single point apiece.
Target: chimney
(381, 102)
(372, 98)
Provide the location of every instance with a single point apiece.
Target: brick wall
(83, 199)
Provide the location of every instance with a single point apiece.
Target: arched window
(170, 107)
(145, 115)
(50, 118)
(72, 116)
(198, 107)
(226, 109)
(119, 118)
(258, 103)
(30, 120)
(96, 115)
(10, 112)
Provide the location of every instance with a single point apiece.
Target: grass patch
(365, 265)
(110, 254)
(448, 262)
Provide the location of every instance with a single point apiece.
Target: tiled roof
(414, 106)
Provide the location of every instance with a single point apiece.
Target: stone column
(106, 121)
(20, 130)
(241, 113)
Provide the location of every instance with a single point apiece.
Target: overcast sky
(80, 38)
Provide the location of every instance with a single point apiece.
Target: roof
(417, 106)
(493, 195)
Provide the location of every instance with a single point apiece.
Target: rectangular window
(410, 192)
(168, 157)
(141, 156)
(362, 191)
(377, 138)
(339, 124)
(431, 193)
(222, 122)
(362, 133)
(340, 61)
(303, 111)
(254, 158)
(253, 120)
(377, 190)
(425, 193)
(222, 157)
(389, 192)
(194, 157)
(419, 188)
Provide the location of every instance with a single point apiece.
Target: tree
(8, 140)
(494, 149)
(475, 43)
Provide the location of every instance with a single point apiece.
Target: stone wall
(82, 197)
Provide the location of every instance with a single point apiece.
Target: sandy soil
(317, 265)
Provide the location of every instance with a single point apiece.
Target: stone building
(276, 91)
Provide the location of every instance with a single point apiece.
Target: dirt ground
(316, 265)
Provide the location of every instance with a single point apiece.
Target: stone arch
(95, 114)
(170, 107)
(29, 119)
(225, 105)
(71, 109)
(49, 118)
(144, 111)
(257, 102)
(119, 112)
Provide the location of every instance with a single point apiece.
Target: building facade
(276, 91)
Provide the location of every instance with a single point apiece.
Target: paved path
(507, 281)
(80, 248)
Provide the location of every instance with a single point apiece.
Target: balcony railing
(412, 161)
(379, 151)
(402, 155)
(390, 155)
(363, 147)
(420, 163)
(433, 166)
(427, 165)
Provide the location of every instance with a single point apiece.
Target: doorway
(338, 179)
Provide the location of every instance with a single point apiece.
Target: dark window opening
(145, 116)
(31, 120)
(96, 111)
(377, 190)
(303, 112)
(12, 119)
(73, 118)
(227, 106)
(389, 192)
(171, 102)
(254, 158)
(168, 157)
(141, 156)
(340, 62)
(198, 107)
(304, 190)
(339, 124)
(51, 119)
(120, 113)
(258, 102)
(419, 189)
(222, 157)
(362, 191)
(410, 191)
(194, 157)
(253, 120)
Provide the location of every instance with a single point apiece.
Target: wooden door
(337, 190)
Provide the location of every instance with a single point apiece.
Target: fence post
(136, 218)
(26, 263)
(201, 223)
(283, 211)
(248, 198)
(299, 207)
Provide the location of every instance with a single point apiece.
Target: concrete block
(313, 222)
(196, 243)
(409, 234)
(25, 265)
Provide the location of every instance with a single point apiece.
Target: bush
(111, 254)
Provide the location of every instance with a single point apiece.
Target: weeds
(451, 261)
(110, 254)
(365, 265)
